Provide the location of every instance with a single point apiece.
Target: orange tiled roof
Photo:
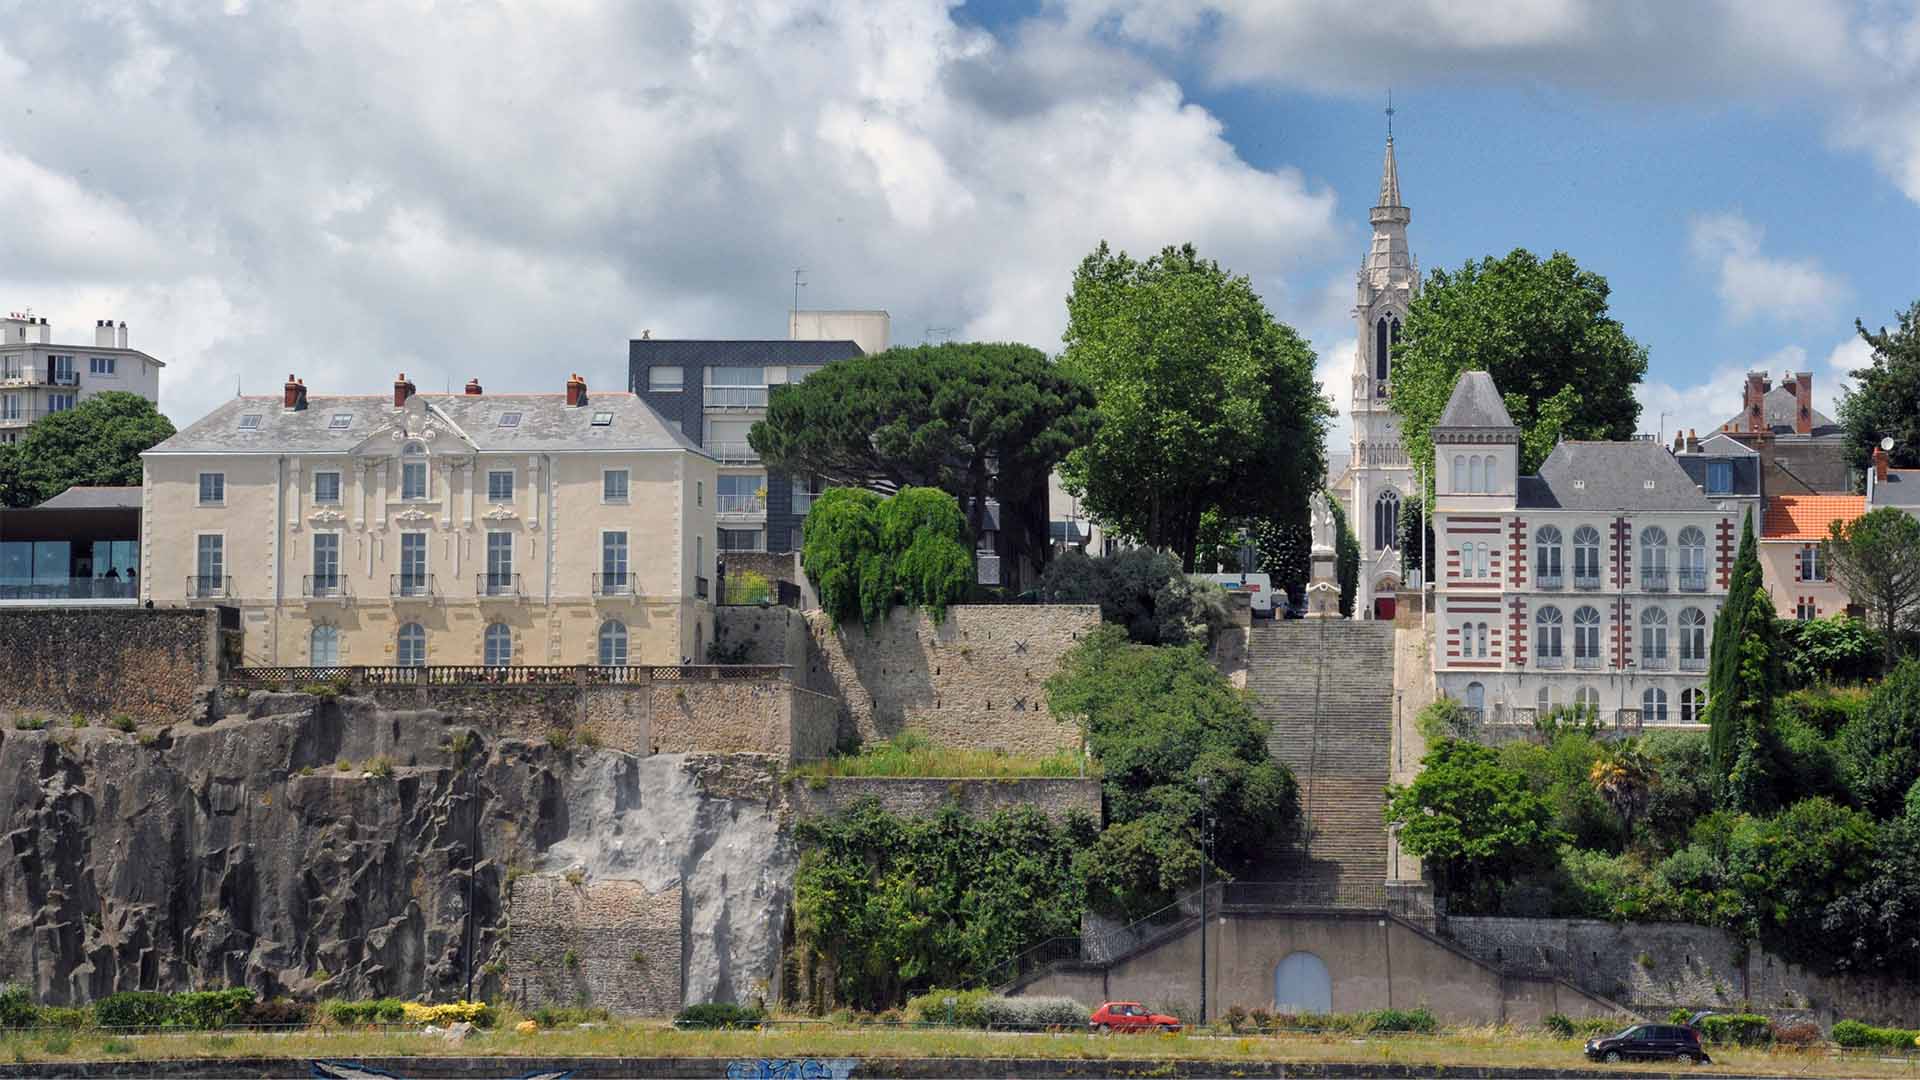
(1806, 517)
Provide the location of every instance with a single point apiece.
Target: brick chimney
(1879, 465)
(1802, 383)
(402, 390)
(576, 391)
(103, 333)
(295, 391)
(473, 387)
(1754, 402)
(1693, 442)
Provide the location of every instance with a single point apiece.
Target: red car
(1130, 1016)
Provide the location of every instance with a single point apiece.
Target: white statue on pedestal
(1323, 589)
(1320, 518)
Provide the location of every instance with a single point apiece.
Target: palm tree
(1625, 779)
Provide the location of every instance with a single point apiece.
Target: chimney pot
(1879, 465)
(473, 387)
(294, 394)
(402, 390)
(576, 391)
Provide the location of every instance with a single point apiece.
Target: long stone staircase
(1325, 689)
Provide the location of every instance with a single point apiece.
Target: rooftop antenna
(798, 284)
(236, 386)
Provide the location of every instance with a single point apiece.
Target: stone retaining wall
(1655, 967)
(148, 663)
(974, 680)
(770, 635)
(611, 944)
(1056, 798)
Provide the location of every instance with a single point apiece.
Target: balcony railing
(736, 397)
(1693, 581)
(1550, 663)
(498, 585)
(734, 453)
(1693, 663)
(803, 501)
(1546, 581)
(323, 587)
(613, 583)
(413, 586)
(1654, 663)
(1585, 581)
(71, 588)
(209, 588)
(1588, 663)
(741, 504)
(1653, 578)
(700, 587)
(291, 678)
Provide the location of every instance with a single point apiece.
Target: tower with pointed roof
(1380, 477)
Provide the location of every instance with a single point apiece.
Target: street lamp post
(1206, 856)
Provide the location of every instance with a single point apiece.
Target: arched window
(1653, 706)
(1653, 638)
(413, 471)
(1481, 632)
(497, 648)
(1546, 557)
(613, 643)
(1386, 520)
(1653, 558)
(1381, 334)
(1693, 706)
(323, 646)
(1586, 638)
(1546, 635)
(410, 646)
(1693, 639)
(1476, 474)
(1587, 700)
(1459, 472)
(1482, 552)
(1586, 557)
(1693, 559)
(1476, 698)
(1466, 559)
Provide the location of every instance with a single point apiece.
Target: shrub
(205, 1010)
(1235, 1018)
(1560, 1027)
(1418, 1020)
(1034, 1013)
(64, 1016)
(115, 1046)
(1801, 1034)
(29, 722)
(477, 1013)
(352, 1013)
(968, 1008)
(16, 1007)
(744, 587)
(1742, 1029)
(1879, 749)
(865, 554)
(123, 723)
(1142, 591)
(132, 1009)
(719, 1014)
(381, 766)
(1835, 649)
(279, 1013)
(1445, 718)
(1681, 1017)
(1854, 1034)
(323, 691)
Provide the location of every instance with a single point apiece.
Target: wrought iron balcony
(1693, 581)
(497, 585)
(1693, 663)
(209, 588)
(1547, 581)
(1588, 663)
(1655, 663)
(613, 583)
(323, 587)
(1550, 662)
(1653, 578)
(1585, 581)
(413, 587)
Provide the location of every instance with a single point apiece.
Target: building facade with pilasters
(1592, 584)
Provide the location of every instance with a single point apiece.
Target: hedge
(1031, 1013)
(377, 1011)
(1853, 1033)
(1739, 1029)
(16, 1007)
(1590, 1026)
(719, 1014)
(969, 1008)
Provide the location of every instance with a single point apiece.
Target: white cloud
(1751, 283)
(345, 191)
(1334, 370)
(1704, 406)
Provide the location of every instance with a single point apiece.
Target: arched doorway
(1301, 985)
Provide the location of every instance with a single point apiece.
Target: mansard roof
(1475, 404)
(1636, 475)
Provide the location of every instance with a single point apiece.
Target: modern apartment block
(715, 390)
(434, 529)
(39, 377)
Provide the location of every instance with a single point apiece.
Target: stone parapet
(1057, 798)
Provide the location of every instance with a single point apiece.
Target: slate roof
(1746, 468)
(1806, 517)
(94, 498)
(1900, 488)
(1611, 476)
(1779, 407)
(1475, 403)
(730, 352)
(547, 424)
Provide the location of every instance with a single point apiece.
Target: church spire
(1390, 176)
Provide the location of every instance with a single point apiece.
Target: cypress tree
(1742, 675)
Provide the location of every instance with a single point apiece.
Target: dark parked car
(1659, 1042)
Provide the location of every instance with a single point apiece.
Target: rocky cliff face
(236, 850)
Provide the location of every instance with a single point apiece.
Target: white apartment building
(40, 377)
(1592, 584)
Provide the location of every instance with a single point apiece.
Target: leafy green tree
(1205, 402)
(1286, 548)
(1415, 531)
(1879, 750)
(1742, 678)
(1876, 926)
(974, 420)
(1346, 557)
(1561, 771)
(1839, 648)
(1565, 366)
(97, 443)
(1683, 793)
(1144, 591)
(1884, 398)
(1176, 743)
(1790, 866)
(864, 554)
(1625, 777)
(1475, 820)
(890, 905)
(1876, 556)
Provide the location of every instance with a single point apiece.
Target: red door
(1383, 608)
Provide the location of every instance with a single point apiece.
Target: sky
(346, 190)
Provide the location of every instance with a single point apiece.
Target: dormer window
(602, 419)
(250, 422)
(1719, 477)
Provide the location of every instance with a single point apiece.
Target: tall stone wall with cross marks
(974, 680)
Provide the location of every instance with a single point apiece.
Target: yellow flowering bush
(477, 1013)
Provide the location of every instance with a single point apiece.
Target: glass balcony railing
(70, 588)
(737, 397)
(742, 504)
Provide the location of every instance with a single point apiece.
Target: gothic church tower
(1380, 475)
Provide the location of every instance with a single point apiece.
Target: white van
(1258, 586)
